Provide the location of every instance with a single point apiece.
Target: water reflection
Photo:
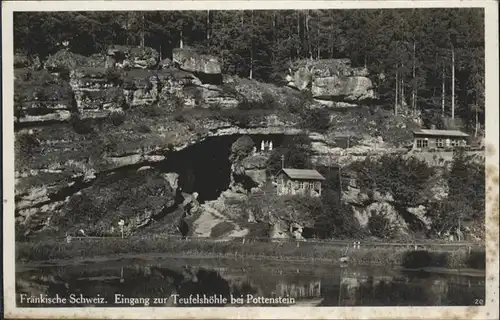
(181, 282)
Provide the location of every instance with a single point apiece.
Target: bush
(114, 76)
(477, 260)
(422, 259)
(142, 128)
(27, 76)
(407, 179)
(297, 151)
(117, 118)
(215, 107)
(316, 119)
(180, 118)
(115, 95)
(81, 126)
(380, 226)
(241, 148)
(27, 144)
(221, 229)
(150, 111)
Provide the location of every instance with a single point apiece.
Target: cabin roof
(433, 132)
(303, 174)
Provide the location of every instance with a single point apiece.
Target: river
(167, 282)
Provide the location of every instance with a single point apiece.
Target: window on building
(422, 143)
(301, 185)
(440, 143)
(454, 143)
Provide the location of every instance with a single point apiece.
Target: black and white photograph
(303, 159)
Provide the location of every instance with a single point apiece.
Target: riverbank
(396, 256)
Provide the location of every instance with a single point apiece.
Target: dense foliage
(241, 148)
(296, 151)
(411, 50)
(406, 179)
(466, 198)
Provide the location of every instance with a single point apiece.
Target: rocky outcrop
(59, 169)
(132, 57)
(64, 60)
(352, 88)
(331, 80)
(255, 168)
(97, 205)
(189, 60)
(41, 96)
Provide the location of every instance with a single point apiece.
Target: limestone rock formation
(136, 197)
(352, 88)
(331, 79)
(132, 57)
(190, 60)
(255, 168)
(190, 203)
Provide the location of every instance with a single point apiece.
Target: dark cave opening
(205, 167)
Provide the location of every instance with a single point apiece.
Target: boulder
(133, 57)
(166, 64)
(348, 88)
(279, 230)
(331, 79)
(190, 203)
(258, 161)
(258, 176)
(190, 60)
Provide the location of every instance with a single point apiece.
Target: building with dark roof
(425, 139)
(299, 181)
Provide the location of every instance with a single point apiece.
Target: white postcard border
(489, 311)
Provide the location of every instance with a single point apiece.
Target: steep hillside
(130, 137)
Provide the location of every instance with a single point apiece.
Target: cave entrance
(205, 167)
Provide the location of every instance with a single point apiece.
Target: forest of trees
(427, 59)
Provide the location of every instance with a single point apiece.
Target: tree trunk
(251, 47)
(452, 82)
(477, 122)
(331, 37)
(127, 28)
(142, 29)
(181, 43)
(397, 93)
(414, 89)
(443, 93)
(308, 34)
(402, 95)
(318, 44)
(221, 17)
(273, 52)
(365, 55)
(298, 33)
(208, 25)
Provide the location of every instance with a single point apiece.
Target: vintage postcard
(250, 159)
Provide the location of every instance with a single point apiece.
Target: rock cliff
(332, 82)
(83, 121)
